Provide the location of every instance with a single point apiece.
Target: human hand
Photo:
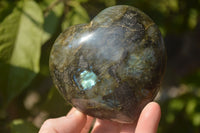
(77, 122)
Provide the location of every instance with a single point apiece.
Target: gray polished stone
(113, 66)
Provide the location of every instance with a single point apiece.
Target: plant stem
(50, 7)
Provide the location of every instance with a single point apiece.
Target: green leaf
(193, 18)
(5, 8)
(82, 1)
(108, 2)
(51, 21)
(21, 126)
(20, 44)
(58, 106)
(77, 15)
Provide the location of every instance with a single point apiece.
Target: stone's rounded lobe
(113, 66)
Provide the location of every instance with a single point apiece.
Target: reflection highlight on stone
(86, 37)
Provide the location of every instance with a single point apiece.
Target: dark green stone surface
(113, 66)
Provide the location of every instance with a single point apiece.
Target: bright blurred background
(28, 29)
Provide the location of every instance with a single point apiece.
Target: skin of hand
(77, 122)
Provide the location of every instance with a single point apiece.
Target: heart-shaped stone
(113, 66)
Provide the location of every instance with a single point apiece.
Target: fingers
(128, 128)
(72, 123)
(106, 126)
(149, 119)
(76, 121)
(88, 124)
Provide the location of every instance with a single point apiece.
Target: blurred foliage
(181, 114)
(28, 29)
(20, 48)
(21, 126)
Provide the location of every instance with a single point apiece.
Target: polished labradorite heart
(113, 66)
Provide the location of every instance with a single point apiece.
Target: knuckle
(48, 123)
